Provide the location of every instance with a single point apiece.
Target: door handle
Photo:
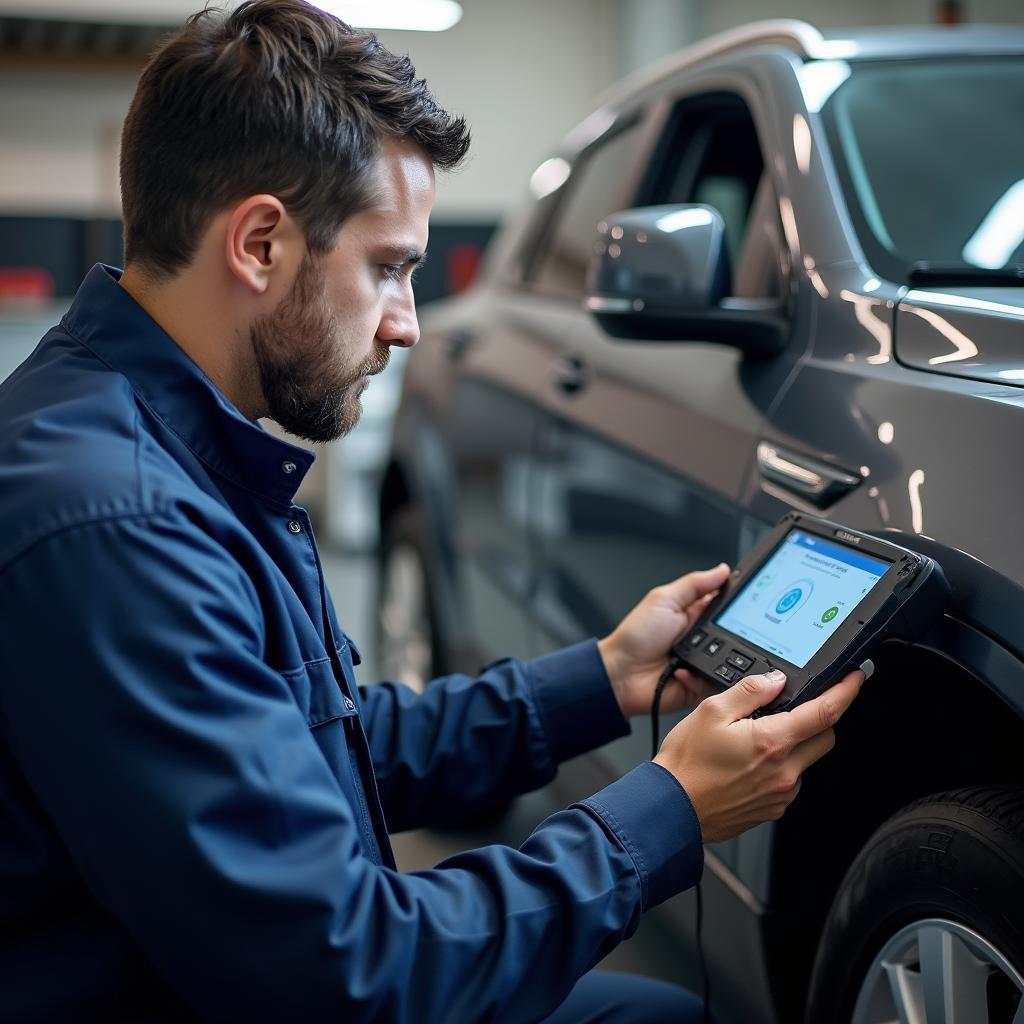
(811, 479)
(570, 375)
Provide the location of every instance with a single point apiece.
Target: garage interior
(521, 73)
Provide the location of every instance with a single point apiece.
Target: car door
(472, 448)
(646, 444)
(501, 354)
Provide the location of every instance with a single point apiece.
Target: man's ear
(262, 246)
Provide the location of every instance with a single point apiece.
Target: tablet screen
(800, 595)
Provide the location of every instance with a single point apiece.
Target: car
(780, 270)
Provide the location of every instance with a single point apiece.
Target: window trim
(646, 116)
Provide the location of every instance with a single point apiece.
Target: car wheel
(407, 630)
(928, 925)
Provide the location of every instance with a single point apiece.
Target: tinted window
(596, 188)
(712, 156)
(931, 156)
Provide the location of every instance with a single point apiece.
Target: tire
(408, 633)
(930, 915)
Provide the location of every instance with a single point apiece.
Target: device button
(713, 647)
(726, 673)
(696, 638)
(739, 661)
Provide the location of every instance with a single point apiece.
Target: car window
(712, 155)
(942, 182)
(596, 187)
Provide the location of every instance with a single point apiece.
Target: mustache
(377, 363)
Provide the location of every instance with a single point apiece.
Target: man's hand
(739, 771)
(636, 653)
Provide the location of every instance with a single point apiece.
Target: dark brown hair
(275, 97)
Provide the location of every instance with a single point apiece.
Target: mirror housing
(661, 273)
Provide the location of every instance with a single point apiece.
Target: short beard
(305, 387)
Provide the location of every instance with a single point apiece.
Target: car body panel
(973, 333)
(642, 464)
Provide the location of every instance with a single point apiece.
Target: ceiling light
(408, 15)
(414, 15)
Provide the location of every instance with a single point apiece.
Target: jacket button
(288, 467)
(295, 526)
(349, 704)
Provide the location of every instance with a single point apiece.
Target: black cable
(656, 705)
(700, 954)
(663, 679)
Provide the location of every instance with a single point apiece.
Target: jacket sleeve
(465, 743)
(187, 789)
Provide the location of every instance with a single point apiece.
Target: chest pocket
(317, 692)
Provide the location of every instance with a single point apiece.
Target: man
(194, 793)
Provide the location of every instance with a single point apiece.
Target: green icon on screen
(830, 614)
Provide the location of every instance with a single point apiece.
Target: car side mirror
(661, 273)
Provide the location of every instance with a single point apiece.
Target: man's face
(316, 351)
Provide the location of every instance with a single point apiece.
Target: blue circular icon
(788, 600)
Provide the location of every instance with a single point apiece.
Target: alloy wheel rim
(406, 647)
(936, 971)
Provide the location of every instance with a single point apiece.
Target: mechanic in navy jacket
(195, 795)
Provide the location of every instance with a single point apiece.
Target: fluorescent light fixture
(407, 15)
(117, 12)
(412, 15)
(819, 79)
(682, 219)
(1000, 233)
(550, 175)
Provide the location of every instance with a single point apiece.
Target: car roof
(808, 43)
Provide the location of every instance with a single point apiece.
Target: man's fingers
(697, 688)
(694, 585)
(806, 753)
(752, 692)
(824, 711)
(701, 603)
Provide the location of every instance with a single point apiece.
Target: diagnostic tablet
(813, 599)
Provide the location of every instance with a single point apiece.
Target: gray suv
(778, 271)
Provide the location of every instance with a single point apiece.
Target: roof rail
(804, 39)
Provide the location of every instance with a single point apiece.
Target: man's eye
(393, 271)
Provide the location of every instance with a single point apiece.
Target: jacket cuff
(651, 816)
(574, 697)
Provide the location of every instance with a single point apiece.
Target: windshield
(931, 158)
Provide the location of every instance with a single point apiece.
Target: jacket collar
(108, 321)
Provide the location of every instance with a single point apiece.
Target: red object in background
(949, 12)
(32, 283)
(461, 266)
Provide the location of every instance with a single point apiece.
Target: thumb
(694, 585)
(750, 693)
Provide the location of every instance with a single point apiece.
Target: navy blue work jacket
(194, 793)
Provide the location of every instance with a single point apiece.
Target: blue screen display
(800, 596)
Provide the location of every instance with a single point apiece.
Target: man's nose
(398, 325)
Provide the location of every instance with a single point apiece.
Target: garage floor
(649, 952)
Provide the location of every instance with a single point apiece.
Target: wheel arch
(925, 723)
